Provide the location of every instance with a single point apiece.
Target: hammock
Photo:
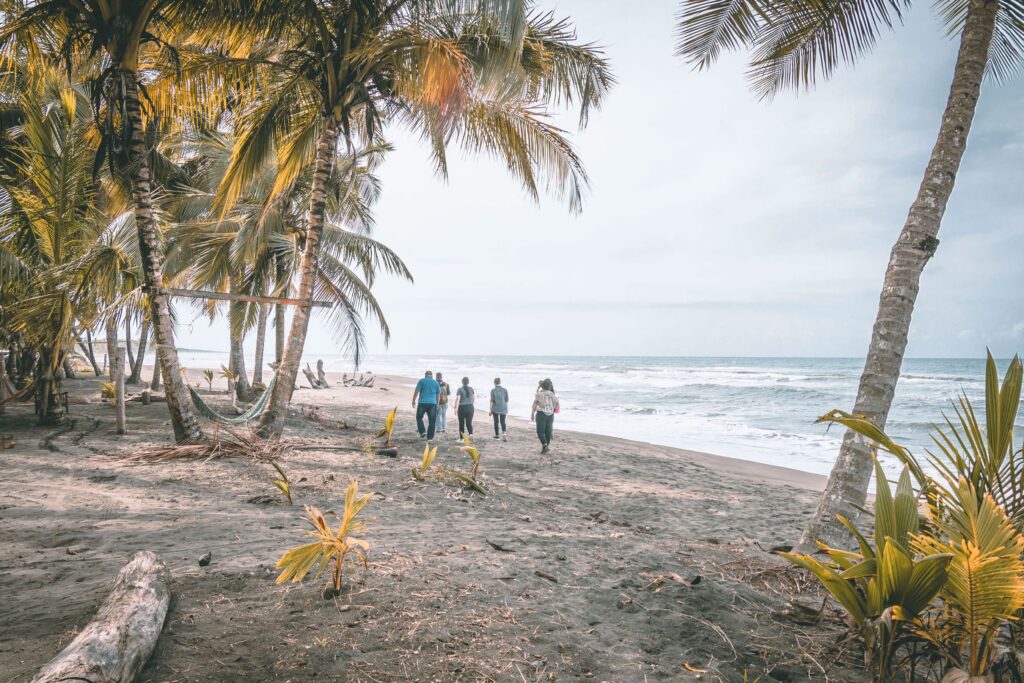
(17, 395)
(252, 413)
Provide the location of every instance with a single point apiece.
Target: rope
(253, 412)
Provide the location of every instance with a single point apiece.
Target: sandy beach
(606, 560)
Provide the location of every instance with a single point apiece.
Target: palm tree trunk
(155, 383)
(243, 390)
(89, 353)
(69, 369)
(111, 345)
(261, 337)
(136, 376)
(186, 427)
(280, 276)
(128, 341)
(48, 387)
(273, 418)
(848, 483)
(279, 333)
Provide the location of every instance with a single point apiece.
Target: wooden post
(119, 389)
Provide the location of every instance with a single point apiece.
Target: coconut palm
(255, 248)
(128, 34)
(339, 72)
(48, 215)
(793, 42)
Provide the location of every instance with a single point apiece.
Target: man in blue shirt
(424, 400)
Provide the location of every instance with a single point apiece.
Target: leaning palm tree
(255, 248)
(340, 71)
(128, 34)
(795, 41)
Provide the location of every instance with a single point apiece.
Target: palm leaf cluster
(792, 43)
(944, 578)
(232, 147)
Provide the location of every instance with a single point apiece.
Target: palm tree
(48, 216)
(255, 248)
(339, 71)
(795, 41)
(128, 33)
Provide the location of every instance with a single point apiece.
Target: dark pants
(499, 418)
(545, 425)
(465, 420)
(430, 410)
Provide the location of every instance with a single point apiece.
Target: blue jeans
(442, 417)
(430, 410)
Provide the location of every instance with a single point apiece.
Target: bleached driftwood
(310, 377)
(115, 645)
(321, 376)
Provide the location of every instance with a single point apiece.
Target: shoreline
(749, 469)
(389, 382)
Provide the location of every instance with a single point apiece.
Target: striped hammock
(204, 409)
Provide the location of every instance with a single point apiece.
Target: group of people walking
(431, 397)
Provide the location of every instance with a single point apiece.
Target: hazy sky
(715, 224)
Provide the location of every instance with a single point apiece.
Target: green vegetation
(231, 147)
(389, 426)
(330, 547)
(284, 485)
(943, 580)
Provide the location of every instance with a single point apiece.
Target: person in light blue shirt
(424, 400)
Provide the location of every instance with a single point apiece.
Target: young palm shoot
(283, 484)
(208, 376)
(389, 427)
(230, 375)
(428, 459)
(330, 547)
(473, 453)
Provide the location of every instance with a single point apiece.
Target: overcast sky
(715, 224)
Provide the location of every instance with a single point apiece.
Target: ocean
(758, 409)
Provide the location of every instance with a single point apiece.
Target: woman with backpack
(464, 399)
(545, 405)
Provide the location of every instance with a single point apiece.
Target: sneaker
(504, 437)
(423, 436)
(544, 450)
(495, 437)
(460, 441)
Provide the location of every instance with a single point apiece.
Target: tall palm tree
(339, 71)
(795, 41)
(255, 248)
(128, 34)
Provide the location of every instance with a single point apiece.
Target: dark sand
(573, 594)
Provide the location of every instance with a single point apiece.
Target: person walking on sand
(442, 404)
(545, 405)
(499, 408)
(464, 399)
(424, 400)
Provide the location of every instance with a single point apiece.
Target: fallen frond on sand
(223, 443)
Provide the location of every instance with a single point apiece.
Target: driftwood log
(321, 376)
(115, 645)
(310, 377)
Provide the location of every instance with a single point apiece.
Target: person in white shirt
(545, 405)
